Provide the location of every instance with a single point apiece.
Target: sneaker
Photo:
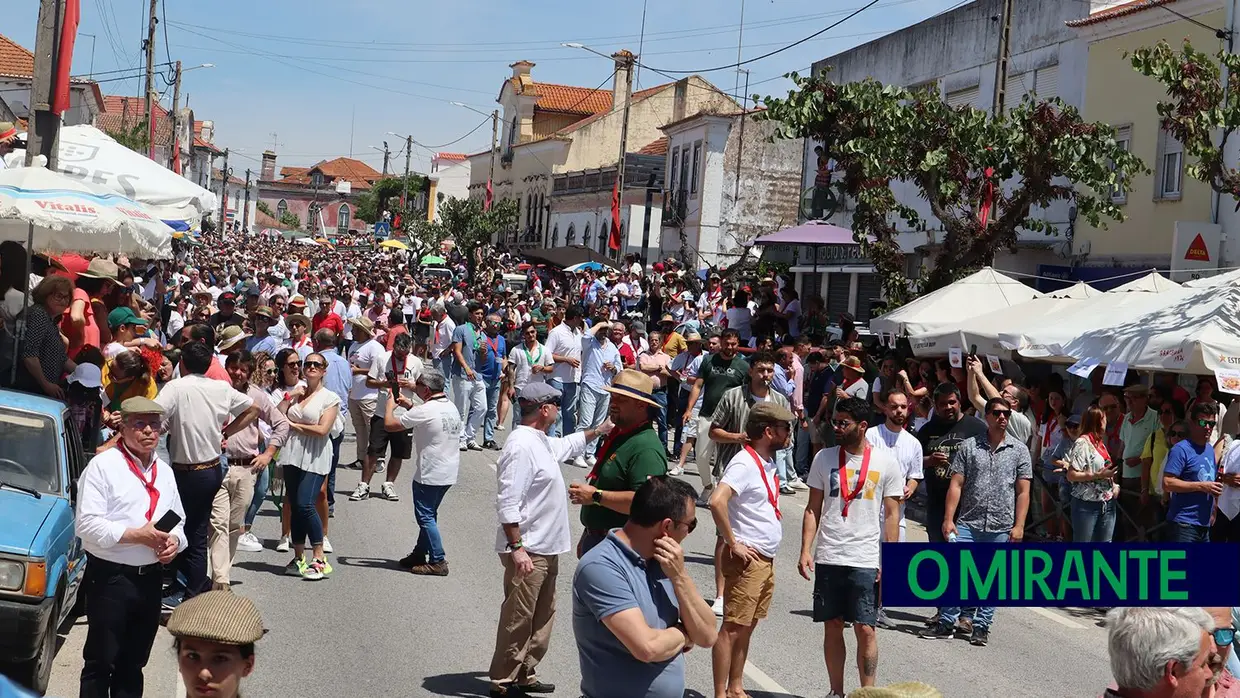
(787, 489)
(677, 470)
(799, 484)
(931, 620)
(362, 491)
(296, 567)
(170, 602)
(464, 448)
(940, 631)
(717, 607)
(591, 461)
(580, 462)
(313, 571)
(380, 465)
(883, 621)
(500, 427)
(704, 498)
(473, 445)
(249, 543)
(490, 445)
(327, 545)
(979, 637)
(432, 569)
(388, 492)
(965, 626)
(327, 566)
(284, 545)
(413, 559)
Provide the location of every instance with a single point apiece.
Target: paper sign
(1117, 371)
(996, 366)
(1084, 367)
(1228, 380)
(955, 356)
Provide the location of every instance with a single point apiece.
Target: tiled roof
(1121, 10)
(15, 59)
(119, 103)
(293, 171)
(121, 114)
(262, 220)
(637, 97)
(451, 156)
(569, 99)
(200, 143)
(658, 147)
(357, 173)
(233, 179)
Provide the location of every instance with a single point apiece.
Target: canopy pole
(21, 335)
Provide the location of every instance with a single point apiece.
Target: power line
(445, 145)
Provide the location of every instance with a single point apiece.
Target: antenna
(275, 142)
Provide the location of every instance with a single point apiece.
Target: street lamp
(466, 106)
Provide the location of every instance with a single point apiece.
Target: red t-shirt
(626, 355)
(331, 321)
(89, 334)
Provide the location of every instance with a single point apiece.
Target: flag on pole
(613, 241)
(176, 157)
(68, 33)
(486, 203)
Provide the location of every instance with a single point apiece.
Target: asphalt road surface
(373, 630)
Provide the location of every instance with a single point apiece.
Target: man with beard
(400, 366)
(718, 373)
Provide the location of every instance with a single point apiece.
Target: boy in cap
(215, 634)
(126, 325)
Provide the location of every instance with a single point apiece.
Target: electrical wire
(118, 70)
(445, 145)
(747, 61)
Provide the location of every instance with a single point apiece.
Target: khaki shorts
(747, 589)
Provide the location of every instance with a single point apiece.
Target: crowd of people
(202, 381)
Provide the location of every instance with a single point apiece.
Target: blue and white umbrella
(584, 266)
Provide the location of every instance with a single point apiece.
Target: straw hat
(100, 268)
(230, 336)
(907, 689)
(633, 384)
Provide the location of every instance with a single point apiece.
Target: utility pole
(386, 155)
(740, 143)
(176, 105)
(224, 172)
(44, 132)
(150, 80)
(646, 219)
(1001, 62)
(629, 59)
(404, 196)
(245, 212)
(494, 149)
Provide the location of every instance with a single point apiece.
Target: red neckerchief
(492, 342)
(1046, 433)
(1101, 448)
(604, 449)
(772, 496)
(849, 383)
(148, 485)
(846, 499)
(403, 365)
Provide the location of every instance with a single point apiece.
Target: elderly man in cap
(227, 314)
(129, 517)
(533, 533)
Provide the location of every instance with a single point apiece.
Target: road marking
(1057, 617)
(766, 683)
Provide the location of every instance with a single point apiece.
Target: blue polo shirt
(1191, 463)
(612, 578)
(467, 336)
(496, 349)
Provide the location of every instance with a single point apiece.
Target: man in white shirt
(564, 343)
(436, 427)
(403, 368)
(441, 338)
(122, 494)
(532, 507)
(199, 413)
(745, 507)
(530, 362)
(362, 355)
(854, 500)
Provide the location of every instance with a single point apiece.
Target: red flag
(176, 157)
(68, 34)
(486, 203)
(988, 197)
(613, 241)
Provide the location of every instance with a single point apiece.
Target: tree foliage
(464, 221)
(385, 195)
(872, 135)
(262, 206)
(137, 137)
(290, 221)
(1198, 111)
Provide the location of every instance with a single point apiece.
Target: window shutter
(963, 98)
(1048, 82)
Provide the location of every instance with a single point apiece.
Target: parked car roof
(31, 402)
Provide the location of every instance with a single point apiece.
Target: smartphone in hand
(168, 521)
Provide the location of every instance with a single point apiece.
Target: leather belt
(207, 465)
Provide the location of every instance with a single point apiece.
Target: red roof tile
(637, 97)
(1120, 10)
(569, 99)
(121, 114)
(450, 156)
(15, 59)
(357, 173)
(658, 147)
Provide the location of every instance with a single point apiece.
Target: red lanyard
(772, 495)
(494, 344)
(846, 499)
(400, 372)
(148, 485)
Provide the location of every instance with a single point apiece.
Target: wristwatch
(597, 497)
(514, 546)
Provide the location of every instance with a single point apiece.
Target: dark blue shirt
(496, 349)
(1191, 463)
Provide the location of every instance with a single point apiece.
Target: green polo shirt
(631, 460)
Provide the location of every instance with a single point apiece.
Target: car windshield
(30, 458)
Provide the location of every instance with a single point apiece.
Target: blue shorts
(849, 593)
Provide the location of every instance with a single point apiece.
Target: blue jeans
(470, 397)
(594, 404)
(1093, 522)
(492, 418)
(986, 614)
(783, 462)
(660, 415)
(426, 501)
(262, 481)
(1187, 533)
(566, 418)
(803, 452)
(331, 477)
(444, 364)
(302, 489)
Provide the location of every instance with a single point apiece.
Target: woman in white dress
(312, 412)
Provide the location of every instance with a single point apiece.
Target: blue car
(41, 558)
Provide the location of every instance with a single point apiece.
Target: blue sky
(320, 74)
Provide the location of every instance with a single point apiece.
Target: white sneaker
(717, 607)
(249, 543)
(380, 465)
(388, 492)
(284, 545)
(327, 545)
(500, 427)
(590, 461)
(361, 492)
(675, 470)
(580, 462)
(798, 484)
(464, 448)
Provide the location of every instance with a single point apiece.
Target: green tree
(385, 194)
(262, 206)
(136, 138)
(1037, 154)
(464, 221)
(1198, 111)
(290, 221)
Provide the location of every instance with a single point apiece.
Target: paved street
(372, 630)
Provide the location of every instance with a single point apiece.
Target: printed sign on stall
(1117, 371)
(955, 356)
(1084, 367)
(1228, 380)
(996, 366)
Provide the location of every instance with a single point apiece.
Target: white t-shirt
(442, 337)
(196, 409)
(436, 429)
(565, 341)
(908, 453)
(523, 360)
(794, 320)
(378, 372)
(739, 319)
(852, 542)
(113, 349)
(364, 356)
(859, 388)
(750, 511)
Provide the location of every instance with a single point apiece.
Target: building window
(967, 97)
(683, 182)
(555, 235)
(605, 237)
(697, 161)
(585, 236)
(342, 220)
(1123, 138)
(571, 239)
(1170, 166)
(317, 179)
(674, 168)
(281, 209)
(512, 134)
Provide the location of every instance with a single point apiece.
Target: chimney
(620, 84)
(679, 99)
(521, 69)
(268, 171)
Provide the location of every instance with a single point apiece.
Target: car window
(30, 458)
(77, 454)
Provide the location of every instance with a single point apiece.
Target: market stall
(981, 292)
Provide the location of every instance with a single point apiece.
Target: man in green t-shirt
(540, 315)
(719, 372)
(630, 454)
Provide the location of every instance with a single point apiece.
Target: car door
(75, 555)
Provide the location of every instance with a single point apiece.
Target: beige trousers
(525, 620)
(704, 453)
(227, 517)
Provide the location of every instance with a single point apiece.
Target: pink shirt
(89, 334)
(798, 382)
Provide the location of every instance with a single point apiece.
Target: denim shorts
(843, 592)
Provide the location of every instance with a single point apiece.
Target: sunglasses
(272, 371)
(295, 367)
(1176, 434)
(691, 525)
(1001, 414)
(1222, 636)
(1207, 423)
(313, 364)
(840, 423)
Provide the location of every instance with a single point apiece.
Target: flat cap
(219, 616)
(140, 405)
(770, 412)
(538, 393)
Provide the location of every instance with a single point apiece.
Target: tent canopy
(981, 292)
(569, 255)
(1152, 282)
(988, 330)
(1043, 338)
(811, 233)
(1078, 290)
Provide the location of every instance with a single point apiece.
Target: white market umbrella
(980, 292)
(1225, 279)
(306, 241)
(1152, 282)
(72, 216)
(1078, 290)
(1044, 337)
(989, 330)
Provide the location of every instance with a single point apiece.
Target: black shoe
(491, 445)
(508, 691)
(412, 560)
(939, 632)
(980, 636)
(537, 687)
